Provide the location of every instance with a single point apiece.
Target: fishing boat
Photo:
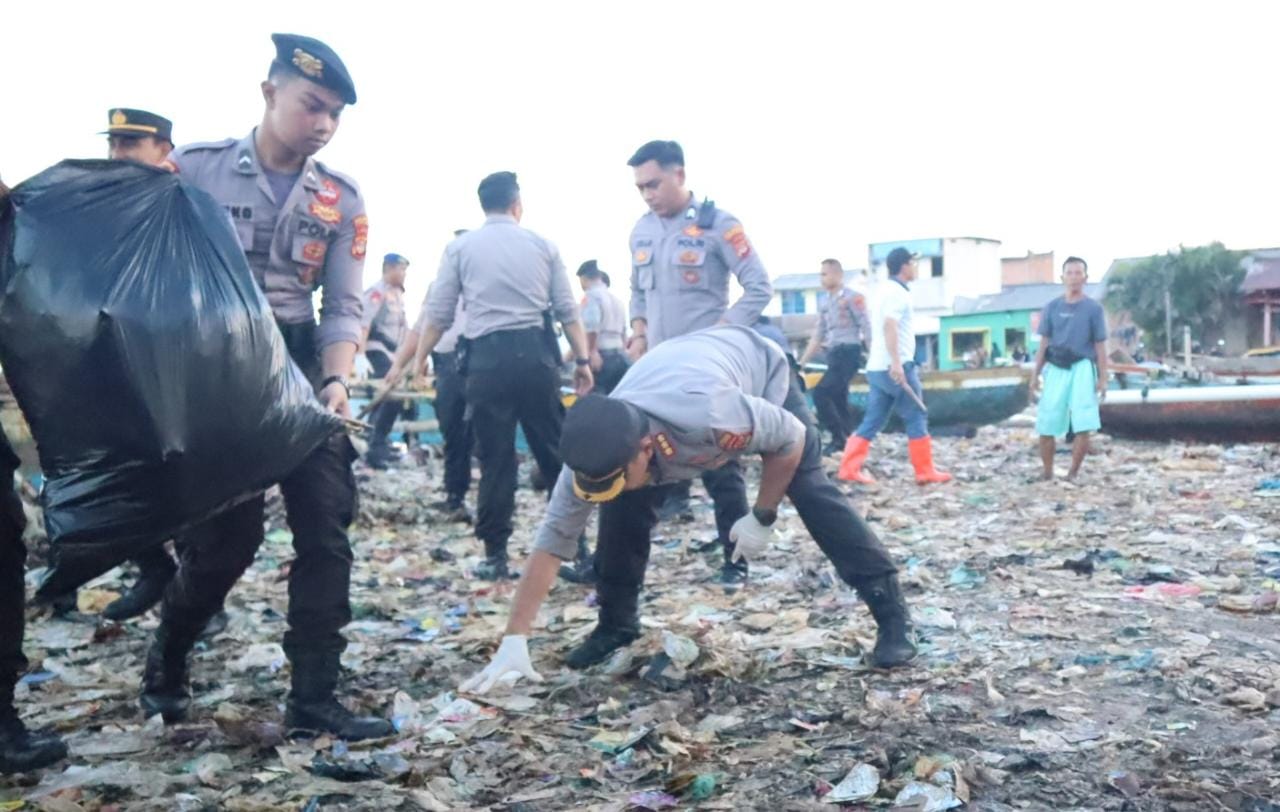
(958, 401)
(1201, 414)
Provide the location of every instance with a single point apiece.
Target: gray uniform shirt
(449, 339)
(1076, 326)
(384, 318)
(605, 316)
(680, 274)
(711, 396)
(843, 319)
(314, 238)
(504, 275)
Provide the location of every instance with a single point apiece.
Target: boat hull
(1210, 414)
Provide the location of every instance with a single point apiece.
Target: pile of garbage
(1104, 644)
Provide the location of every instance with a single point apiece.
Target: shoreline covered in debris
(1104, 644)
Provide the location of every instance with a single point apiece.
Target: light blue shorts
(1069, 399)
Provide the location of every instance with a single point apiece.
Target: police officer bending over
(302, 226)
(689, 406)
(512, 283)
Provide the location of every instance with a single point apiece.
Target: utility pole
(1168, 324)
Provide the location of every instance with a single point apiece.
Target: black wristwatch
(336, 379)
(765, 517)
(582, 362)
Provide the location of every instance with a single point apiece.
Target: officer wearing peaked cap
(682, 256)
(302, 226)
(138, 135)
(691, 405)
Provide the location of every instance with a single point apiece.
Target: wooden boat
(958, 401)
(1202, 414)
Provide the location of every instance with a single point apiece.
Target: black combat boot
(583, 569)
(895, 638)
(313, 707)
(455, 510)
(156, 571)
(166, 687)
(494, 567)
(602, 642)
(21, 750)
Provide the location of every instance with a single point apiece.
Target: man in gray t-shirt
(1073, 342)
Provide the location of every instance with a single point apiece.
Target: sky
(1100, 129)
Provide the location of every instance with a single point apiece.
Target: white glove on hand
(510, 662)
(750, 538)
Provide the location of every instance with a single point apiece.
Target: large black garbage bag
(145, 359)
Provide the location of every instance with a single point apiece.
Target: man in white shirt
(890, 373)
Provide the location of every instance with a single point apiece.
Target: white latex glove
(510, 662)
(750, 538)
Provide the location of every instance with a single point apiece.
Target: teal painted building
(998, 324)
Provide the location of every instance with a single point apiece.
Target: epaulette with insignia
(207, 145)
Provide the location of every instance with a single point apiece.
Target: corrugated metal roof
(1019, 297)
(1264, 274)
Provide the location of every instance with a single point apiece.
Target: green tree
(1204, 290)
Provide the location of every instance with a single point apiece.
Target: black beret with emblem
(598, 439)
(312, 59)
(137, 123)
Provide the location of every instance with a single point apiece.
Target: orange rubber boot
(921, 450)
(856, 450)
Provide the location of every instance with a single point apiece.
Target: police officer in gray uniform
(688, 406)
(842, 330)
(682, 255)
(384, 330)
(302, 226)
(605, 319)
(512, 284)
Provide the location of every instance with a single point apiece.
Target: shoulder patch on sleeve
(737, 238)
(733, 440)
(360, 244)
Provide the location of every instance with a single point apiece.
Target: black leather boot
(21, 750)
(313, 707)
(156, 571)
(494, 567)
(602, 642)
(166, 687)
(895, 638)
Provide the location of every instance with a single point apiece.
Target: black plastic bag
(145, 359)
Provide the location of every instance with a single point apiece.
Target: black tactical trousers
(511, 378)
(13, 559)
(831, 395)
(384, 416)
(610, 375)
(622, 552)
(728, 491)
(319, 497)
(451, 412)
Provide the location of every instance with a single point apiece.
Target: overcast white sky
(1101, 129)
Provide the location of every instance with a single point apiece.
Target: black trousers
(510, 379)
(319, 496)
(451, 412)
(610, 375)
(13, 560)
(383, 417)
(622, 552)
(831, 395)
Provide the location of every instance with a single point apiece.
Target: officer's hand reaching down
(335, 399)
(510, 662)
(750, 538)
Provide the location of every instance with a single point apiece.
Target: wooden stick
(915, 397)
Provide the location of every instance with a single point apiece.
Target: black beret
(136, 123)
(599, 437)
(589, 268)
(312, 59)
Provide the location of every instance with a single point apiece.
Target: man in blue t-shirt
(1073, 342)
